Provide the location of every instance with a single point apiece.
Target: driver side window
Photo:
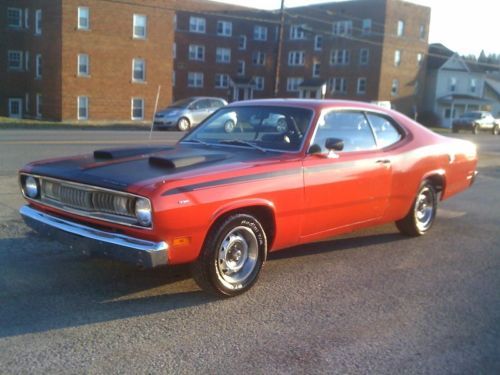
(351, 127)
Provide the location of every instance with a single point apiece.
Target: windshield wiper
(240, 142)
(198, 141)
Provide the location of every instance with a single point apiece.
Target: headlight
(143, 212)
(31, 187)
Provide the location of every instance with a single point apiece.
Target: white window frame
(422, 32)
(80, 24)
(293, 83)
(241, 67)
(193, 52)
(38, 22)
(364, 56)
(143, 78)
(395, 87)
(132, 117)
(296, 58)
(38, 66)
(242, 42)
(338, 85)
(420, 58)
(224, 28)
(85, 99)
(316, 69)
(318, 43)
(197, 25)
(20, 106)
(366, 26)
(361, 86)
(397, 57)
(259, 83)
(196, 79)
(473, 86)
(400, 28)
(340, 57)
(221, 81)
(259, 58)
(19, 66)
(38, 104)
(453, 84)
(19, 12)
(83, 60)
(223, 55)
(297, 32)
(342, 28)
(260, 33)
(135, 25)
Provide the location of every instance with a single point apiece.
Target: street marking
(449, 214)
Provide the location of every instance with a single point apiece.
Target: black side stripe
(232, 180)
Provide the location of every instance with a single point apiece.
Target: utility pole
(277, 70)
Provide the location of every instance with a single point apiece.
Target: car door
(200, 110)
(347, 187)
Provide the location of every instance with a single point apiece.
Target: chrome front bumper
(132, 250)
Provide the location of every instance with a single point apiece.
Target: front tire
(496, 130)
(183, 124)
(232, 256)
(421, 216)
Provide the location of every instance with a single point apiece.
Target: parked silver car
(187, 113)
(475, 121)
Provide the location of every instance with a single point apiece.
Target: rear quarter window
(386, 131)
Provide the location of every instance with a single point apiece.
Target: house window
(223, 55)
(259, 32)
(339, 57)
(293, 83)
(258, 58)
(14, 18)
(361, 86)
(137, 109)
(195, 79)
(342, 28)
(400, 30)
(297, 32)
(197, 24)
(196, 52)
(15, 107)
(453, 84)
(473, 85)
(83, 64)
(397, 57)
(259, 83)
(318, 42)
(82, 108)
(242, 42)
(364, 56)
(241, 67)
(15, 60)
(221, 81)
(421, 32)
(38, 22)
(140, 26)
(83, 18)
(338, 85)
(138, 70)
(395, 87)
(38, 66)
(296, 58)
(366, 27)
(420, 56)
(316, 69)
(38, 104)
(224, 28)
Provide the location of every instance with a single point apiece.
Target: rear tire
(183, 124)
(232, 256)
(422, 213)
(475, 129)
(496, 130)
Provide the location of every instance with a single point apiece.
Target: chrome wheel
(183, 124)
(424, 209)
(237, 257)
(229, 126)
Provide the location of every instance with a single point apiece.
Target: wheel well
(437, 181)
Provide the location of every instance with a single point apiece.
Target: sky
(466, 27)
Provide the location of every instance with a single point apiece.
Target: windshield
(263, 128)
(181, 103)
(474, 115)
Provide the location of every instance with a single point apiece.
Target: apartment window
(140, 26)
(174, 50)
(366, 27)
(83, 18)
(361, 86)
(342, 28)
(473, 85)
(258, 58)
(221, 81)
(316, 69)
(26, 60)
(174, 21)
(318, 42)
(38, 66)
(453, 84)
(196, 52)
(15, 107)
(420, 57)
(364, 56)
(397, 57)
(138, 70)
(38, 104)
(293, 83)
(83, 64)
(173, 78)
(259, 32)
(241, 67)
(339, 57)
(14, 18)
(297, 32)
(259, 83)
(82, 108)
(338, 85)
(400, 30)
(137, 109)
(395, 87)
(38, 22)
(195, 79)
(224, 28)
(15, 60)
(421, 32)
(223, 55)
(296, 58)
(197, 24)
(242, 42)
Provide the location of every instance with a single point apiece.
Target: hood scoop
(186, 160)
(119, 153)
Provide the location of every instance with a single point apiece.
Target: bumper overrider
(127, 249)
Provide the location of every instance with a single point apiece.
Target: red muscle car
(222, 200)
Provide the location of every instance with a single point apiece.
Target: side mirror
(334, 144)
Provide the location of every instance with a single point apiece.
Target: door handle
(383, 161)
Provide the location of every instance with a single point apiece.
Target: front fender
(241, 204)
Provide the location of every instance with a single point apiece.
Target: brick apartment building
(104, 59)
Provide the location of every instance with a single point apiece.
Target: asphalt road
(370, 302)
